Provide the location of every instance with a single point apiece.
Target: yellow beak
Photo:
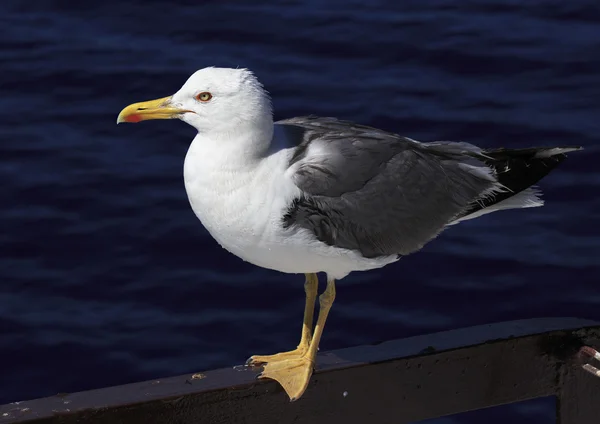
(152, 109)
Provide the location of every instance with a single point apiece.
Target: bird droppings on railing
(242, 367)
(19, 410)
(593, 354)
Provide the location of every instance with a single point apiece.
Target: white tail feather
(528, 198)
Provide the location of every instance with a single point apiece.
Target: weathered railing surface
(399, 381)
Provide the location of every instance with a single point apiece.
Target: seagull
(309, 194)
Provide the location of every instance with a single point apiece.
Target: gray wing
(377, 192)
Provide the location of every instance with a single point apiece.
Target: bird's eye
(205, 96)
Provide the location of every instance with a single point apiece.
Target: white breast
(241, 204)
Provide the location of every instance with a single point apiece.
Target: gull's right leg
(311, 286)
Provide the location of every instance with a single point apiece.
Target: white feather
(528, 198)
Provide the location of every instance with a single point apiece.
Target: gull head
(211, 100)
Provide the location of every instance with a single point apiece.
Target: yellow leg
(311, 286)
(294, 373)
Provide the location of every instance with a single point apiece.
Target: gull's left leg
(294, 374)
(311, 285)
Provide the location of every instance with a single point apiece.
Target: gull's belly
(253, 232)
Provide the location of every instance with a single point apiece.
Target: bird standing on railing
(308, 195)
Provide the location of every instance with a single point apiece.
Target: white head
(212, 100)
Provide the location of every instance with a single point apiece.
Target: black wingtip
(519, 169)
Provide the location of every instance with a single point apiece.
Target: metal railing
(399, 381)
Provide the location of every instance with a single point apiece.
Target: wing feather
(377, 192)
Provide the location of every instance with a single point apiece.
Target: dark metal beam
(398, 381)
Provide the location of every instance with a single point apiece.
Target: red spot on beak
(133, 118)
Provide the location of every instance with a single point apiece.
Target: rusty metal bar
(399, 381)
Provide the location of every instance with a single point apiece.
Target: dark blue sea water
(107, 277)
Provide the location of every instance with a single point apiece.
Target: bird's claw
(258, 360)
(593, 354)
